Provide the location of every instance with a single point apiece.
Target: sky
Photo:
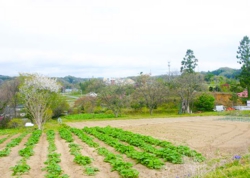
(115, 38)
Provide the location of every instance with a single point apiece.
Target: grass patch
(77, 117)
(238, 168)
(103, 116)
(241, 119)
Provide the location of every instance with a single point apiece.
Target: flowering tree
(38, 92)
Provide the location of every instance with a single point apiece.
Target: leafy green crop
(53, 169)
(20, 168)
(4, 139)
(91, 171)
(117, 163)
(66, 134)
(85, 138)
(147, 159)
(33, 139)
(26, 152)
(82, 160)
(14, 142)
(168, 152)
(5, 152)
(111, 158)
(75, 150)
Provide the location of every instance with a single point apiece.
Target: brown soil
(212, 137)
(208, 135)
(12, 159)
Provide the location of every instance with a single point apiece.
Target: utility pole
(168, 71)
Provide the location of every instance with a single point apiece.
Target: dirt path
(12, 159)
(38, 159)
(104, 168)
(68, 166)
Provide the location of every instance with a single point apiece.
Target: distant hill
(71, 81)
(3, 78)
(226, 72)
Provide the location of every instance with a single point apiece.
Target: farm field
(213, 138)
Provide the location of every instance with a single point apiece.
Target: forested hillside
(226, 72)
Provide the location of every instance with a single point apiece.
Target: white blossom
(40, 82)
(36, 93)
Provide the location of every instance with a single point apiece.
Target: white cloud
(110, 37)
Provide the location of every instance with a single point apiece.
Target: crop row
(22, 166)
(75, 151)
(116, 161)
(53, 169)
(5, 138)
(144, 158)
(146, 150)
(167, 154)
(14, 142)
(168, 151)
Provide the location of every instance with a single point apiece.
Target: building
(243, 94)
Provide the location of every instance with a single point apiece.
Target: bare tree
(186, 86)
(9, 94)
(87, 103)
(3, 99)
(151, 91)
(114, 98)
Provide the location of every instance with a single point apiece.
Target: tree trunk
(151, 111)
(248, 92)
(188, 109)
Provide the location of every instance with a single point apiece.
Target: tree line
(188, 91)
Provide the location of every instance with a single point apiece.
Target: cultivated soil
(217, 140)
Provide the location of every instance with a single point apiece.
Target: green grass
(15, 130)
(103, 116)
(235, 169)
(233, 118)
(77, 117)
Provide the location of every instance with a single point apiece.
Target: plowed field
(207, 135)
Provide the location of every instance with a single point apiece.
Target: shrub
(15, 123)
(204, 102)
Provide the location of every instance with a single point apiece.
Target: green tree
(189, 62)
(243, 56)
(59, 105)
(208, 76)
(205, 102)
(92, 85)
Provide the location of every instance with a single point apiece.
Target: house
(92, 94)
(119, 81)
(243, 94)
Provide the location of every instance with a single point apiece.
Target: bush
(4, 122)
(204, 102)
(15, 123)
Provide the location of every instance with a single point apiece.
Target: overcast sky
(118, 38)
